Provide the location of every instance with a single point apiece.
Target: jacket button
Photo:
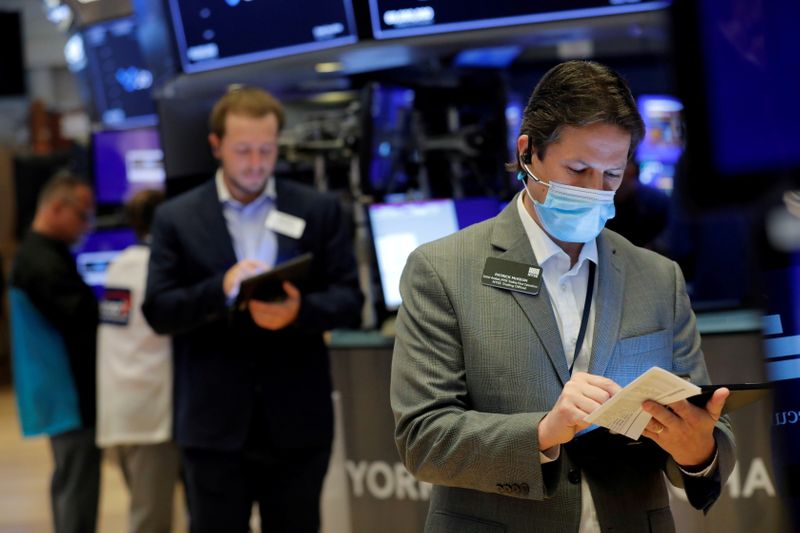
(574, 476)
(515, 488)
(500, 488)
(524, 488)
(506, 488)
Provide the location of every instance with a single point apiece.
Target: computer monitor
(662, 145)
(108, 58)
(97, 252)
(404, 18)
(126, 161)
(399, 228)
(233, 32)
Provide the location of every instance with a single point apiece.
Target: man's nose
(256, 159)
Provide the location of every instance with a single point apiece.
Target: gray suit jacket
(475, 369)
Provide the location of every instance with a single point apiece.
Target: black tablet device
(742, 394)
(268, 287)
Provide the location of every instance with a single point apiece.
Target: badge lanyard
(585, 319)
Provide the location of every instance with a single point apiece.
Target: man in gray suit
(492, 378)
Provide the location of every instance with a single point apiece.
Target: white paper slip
(623, 412)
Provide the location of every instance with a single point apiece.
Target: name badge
(115, 307)
(512, 276)
(285, 224)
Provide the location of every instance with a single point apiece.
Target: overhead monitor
(739, 78)
(405, 18)
(126, 161)
(108, 57)
(216, 34)
(399, 228)
(662, 145)
(12, 61)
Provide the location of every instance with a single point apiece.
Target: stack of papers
(623, 412)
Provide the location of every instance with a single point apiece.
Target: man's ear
(215, 143)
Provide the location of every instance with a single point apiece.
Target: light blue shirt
(247, 222)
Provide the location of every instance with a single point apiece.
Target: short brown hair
(249, 101)
(140, 210)
(61, 186)
(578, 93)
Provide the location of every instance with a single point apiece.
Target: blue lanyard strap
(585, 319)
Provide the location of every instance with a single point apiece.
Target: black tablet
(268, 287)
(741, 394)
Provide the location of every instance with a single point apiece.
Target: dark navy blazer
(228, 370)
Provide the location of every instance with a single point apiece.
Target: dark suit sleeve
(336, 303)
(171, 306)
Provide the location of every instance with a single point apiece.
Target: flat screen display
(399, 228)
(213, 34)
(12, 61)
(752, 82)
(99, 249)
(662, 145)
(404, 18)
(126, 161)
(109, 57)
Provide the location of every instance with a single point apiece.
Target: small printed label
(285, 224)
(512, 276)
(115, 307)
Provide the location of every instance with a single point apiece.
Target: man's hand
(582, 394)
(278, 315)
(239, 272)
(685, 431)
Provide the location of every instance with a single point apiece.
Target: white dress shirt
(567, 288)
(247, 223)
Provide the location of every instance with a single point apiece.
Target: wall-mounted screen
(108, 57)
(125, 162)
(662, 145)
(399, 228)
(12, 61)
(404, 18)
(213, 34)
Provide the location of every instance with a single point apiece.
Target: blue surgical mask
(571, 214)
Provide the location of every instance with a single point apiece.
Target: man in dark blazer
(253, 412)
(491, 380)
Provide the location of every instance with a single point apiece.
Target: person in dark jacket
(45, 271)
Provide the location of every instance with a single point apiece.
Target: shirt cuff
(551, 454)
(706, 472)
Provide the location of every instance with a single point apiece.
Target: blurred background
(407, 110)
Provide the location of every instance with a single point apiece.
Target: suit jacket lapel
(286, 202)
(509, 235)
(608, 307)
(219, 238)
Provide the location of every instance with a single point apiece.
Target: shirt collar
(225, 195)
(543, 246)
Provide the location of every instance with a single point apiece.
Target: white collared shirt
(567, 289)
(247, 222)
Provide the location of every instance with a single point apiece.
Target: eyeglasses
(85, 215)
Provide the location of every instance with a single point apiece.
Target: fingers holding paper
(684, 430)
(581, 395)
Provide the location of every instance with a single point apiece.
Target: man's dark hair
(61, 186)
(578, 93)
(140, 210)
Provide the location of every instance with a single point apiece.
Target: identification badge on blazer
(285, 224)
(512, 276)
(115, 307)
